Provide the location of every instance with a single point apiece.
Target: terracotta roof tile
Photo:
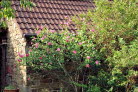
(50, 13)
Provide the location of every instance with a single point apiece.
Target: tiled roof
(50, 13)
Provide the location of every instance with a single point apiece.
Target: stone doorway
(2, 60)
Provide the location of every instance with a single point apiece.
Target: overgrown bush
(68, 56)
(125, 64)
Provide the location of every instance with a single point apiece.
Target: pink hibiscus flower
(52, 31)
(96, 62)
(19, 60)
(49, 43)
(66, 16)
(74, 52)
(43, 37)
(20, 55)
(41, 27)
(87, 65)
(92, 30)
(28, 78)
(68, 37)
(80, 43)
(66, 23)
(38, 32)
(58, 49)
(88, 57)
(27, 55)
(40, 58)
(67, 40)
(30, 50)
(36, 45)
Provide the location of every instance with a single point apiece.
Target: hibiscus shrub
(72, 54)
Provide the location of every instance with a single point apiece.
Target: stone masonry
(16, 43)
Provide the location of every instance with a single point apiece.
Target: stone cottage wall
(16, 43)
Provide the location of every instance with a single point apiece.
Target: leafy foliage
(6, 11)
(124, 63)
(100, 56)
